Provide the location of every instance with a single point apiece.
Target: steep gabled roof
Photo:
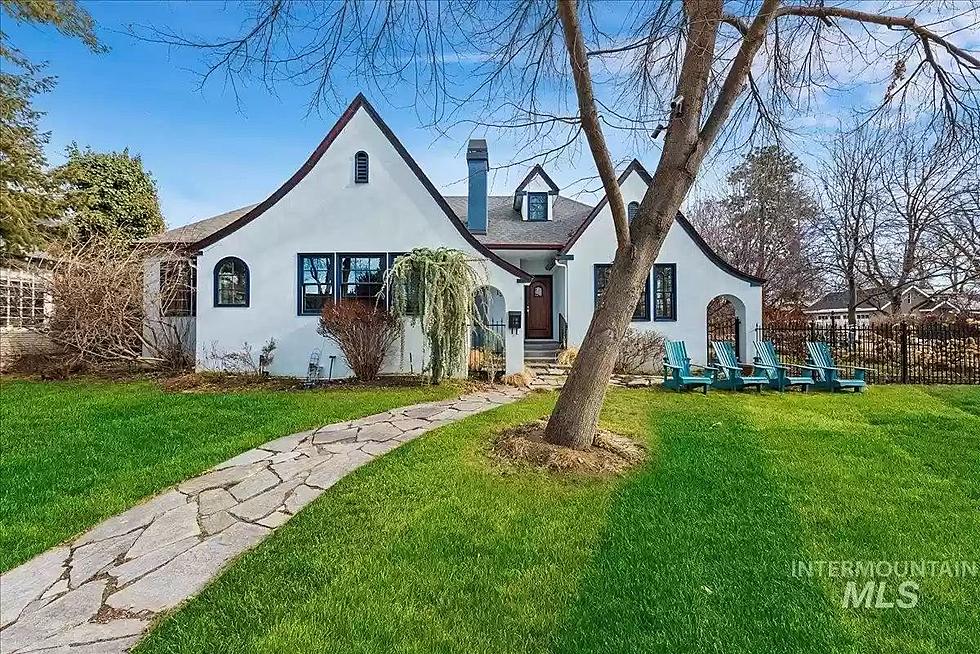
(361, 102)
(636, 167)
(537, 170)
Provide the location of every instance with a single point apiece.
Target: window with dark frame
(413, 288)
(537, 206)
(665, 291)
(361, 277)
(631, 210)
(316, 283)
(231, 283)
(178, 282)
(361, 168)
(642, 311)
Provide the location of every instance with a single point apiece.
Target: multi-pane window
(665, 291)
(413, 289)
(361, 168)
(631, 210)
(360, 276)
(231, 283)
(21, 300)
(537, 206)
(177, 286)
(642, 311)
(315, 282)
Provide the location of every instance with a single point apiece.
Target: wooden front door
(537, 308)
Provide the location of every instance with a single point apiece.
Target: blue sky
(211, 153)
(207, 152)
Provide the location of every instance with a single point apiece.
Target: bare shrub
(364, 333)
(567, 356)
(242, 361)
(104, 312)
(638, 350)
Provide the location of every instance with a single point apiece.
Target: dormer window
(537, 206)
(361, 168)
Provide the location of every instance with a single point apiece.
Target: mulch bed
(609, 454)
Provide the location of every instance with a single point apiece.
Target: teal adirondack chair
(767, 360)
(677, 369)
(828, 375)
(732, 378)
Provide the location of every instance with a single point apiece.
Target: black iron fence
(487, 347)
(899, 353)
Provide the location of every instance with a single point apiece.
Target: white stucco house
(332, 229)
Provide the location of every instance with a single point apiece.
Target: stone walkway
(99, 593)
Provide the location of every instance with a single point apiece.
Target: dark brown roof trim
(538, 170)
(636, 167)
(361, 102)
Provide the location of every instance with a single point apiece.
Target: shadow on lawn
(697, 553)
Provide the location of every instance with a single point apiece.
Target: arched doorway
(725, 321)
(488, 340)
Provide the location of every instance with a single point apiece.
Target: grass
(433, 548)
(74, 453)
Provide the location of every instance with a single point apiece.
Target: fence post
(904, 351)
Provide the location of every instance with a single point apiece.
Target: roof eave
(361, 102)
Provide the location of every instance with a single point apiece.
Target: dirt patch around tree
(609, 454)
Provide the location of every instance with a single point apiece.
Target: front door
(537, 308)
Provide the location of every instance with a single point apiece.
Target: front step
(547, 375)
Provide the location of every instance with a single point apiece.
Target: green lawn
(74, 453)
(434, 549)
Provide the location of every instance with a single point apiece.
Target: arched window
(231, 283)
(631, 210)
(361, 168)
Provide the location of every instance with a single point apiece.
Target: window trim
(647, 306)
(338, 288)
(547, 200)
(673, 295)
(299, 279)
(367, 167)
(632, 209)
(248, 284)
(168, 311)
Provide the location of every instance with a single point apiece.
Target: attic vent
(361, 168)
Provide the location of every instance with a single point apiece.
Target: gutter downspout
(561, 261)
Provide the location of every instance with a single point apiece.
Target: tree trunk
(851, 300)
(575, 418)
(576, 415)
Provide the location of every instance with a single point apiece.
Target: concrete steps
(539, 358)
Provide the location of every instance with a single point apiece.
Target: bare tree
(851, 197)
(762, 224)
(717, 73)
(926, 184)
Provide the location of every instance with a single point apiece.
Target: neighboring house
(25, 304)
(871, 303)
(360, 200)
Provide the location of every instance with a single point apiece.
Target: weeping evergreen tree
(435, 288)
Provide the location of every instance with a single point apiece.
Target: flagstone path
(99, 593)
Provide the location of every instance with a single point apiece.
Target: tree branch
(579, 61)
(904, 22)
